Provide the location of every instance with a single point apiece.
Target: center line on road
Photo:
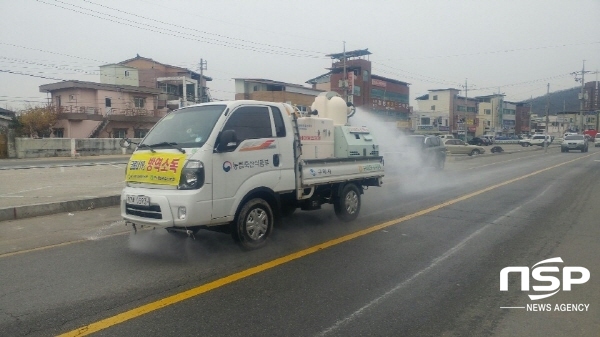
(185, 295)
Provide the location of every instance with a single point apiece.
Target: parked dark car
(423, 150)
(479, 141)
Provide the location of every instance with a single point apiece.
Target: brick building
(363, 88)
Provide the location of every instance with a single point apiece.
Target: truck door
(253, 163)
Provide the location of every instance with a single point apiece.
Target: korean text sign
(155, 168)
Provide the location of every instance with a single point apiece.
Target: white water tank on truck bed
(331, 105)
(337, 110)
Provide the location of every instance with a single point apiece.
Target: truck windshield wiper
(146, 145)
(173, 145)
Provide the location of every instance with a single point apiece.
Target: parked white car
(457, 146)
(536, 140)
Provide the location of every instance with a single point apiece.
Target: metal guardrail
(507, 141)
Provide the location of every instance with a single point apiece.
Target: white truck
(240, 166)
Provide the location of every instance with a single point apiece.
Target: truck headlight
(192, 175)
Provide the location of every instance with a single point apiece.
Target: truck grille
(152, 211)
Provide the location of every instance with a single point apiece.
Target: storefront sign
(378, 83)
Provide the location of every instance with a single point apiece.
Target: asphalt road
(423, 259)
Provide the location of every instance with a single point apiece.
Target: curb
(56, 166)
(30, 211)
(467, 157)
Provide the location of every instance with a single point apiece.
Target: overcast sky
(515, 47)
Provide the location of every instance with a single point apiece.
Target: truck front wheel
(347, 204)
(253, 224)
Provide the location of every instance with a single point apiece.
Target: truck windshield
(187, 127)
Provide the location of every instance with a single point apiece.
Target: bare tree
(37, 121)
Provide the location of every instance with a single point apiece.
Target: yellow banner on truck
(155, 168)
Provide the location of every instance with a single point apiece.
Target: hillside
(564, 100)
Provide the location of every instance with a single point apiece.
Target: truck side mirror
(227, 141)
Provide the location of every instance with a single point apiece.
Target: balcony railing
(78, 109)
(107, 111)
(131, 112)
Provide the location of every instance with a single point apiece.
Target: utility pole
(530, 112)
(345, 76)
(547, 118)
(466, 110)
(499, 106)
(203, 66)
(464, 121)
(596, 103)
(582, 94)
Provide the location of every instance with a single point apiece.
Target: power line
(163, 31)
(200, 31)
(50, 52)
(495, 51)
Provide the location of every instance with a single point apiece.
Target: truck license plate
(140, 200)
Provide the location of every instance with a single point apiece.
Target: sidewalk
(45, 186)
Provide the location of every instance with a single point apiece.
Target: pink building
(131, 97)
(98, 110)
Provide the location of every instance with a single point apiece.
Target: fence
(67, 147)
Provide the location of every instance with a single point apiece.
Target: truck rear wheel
(254, 224)
(347, 204)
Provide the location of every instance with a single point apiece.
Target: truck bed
(333, 170)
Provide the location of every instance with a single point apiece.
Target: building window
(139, 102)
(71, 98)
(488, 111)
(126, 73)
(435, 97)
(119, 133)
(139, 133)
(170, 89)
(433, 108)
(425, 121)
(59, 133)
(255, 88)
(58, 102)
(107, 102)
